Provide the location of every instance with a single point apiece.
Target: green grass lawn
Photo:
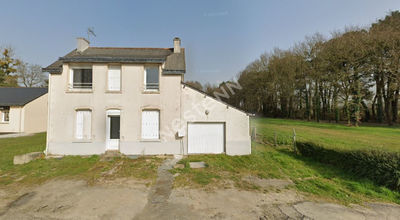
(310, 177)
(329, 135)
(88, 168)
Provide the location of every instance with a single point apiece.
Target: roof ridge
(140, 48)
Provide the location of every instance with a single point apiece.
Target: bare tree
(31, 75)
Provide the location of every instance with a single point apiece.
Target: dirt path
(13, 135)
(130, 199)
(72, 199)
(158, 205)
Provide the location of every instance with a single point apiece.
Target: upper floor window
(152, 78)
(114, 78)
(81, 78)
(5, 114)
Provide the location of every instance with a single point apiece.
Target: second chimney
(177, 45)
(82, 44)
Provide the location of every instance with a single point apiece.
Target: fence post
(253, 133)
(294, 141)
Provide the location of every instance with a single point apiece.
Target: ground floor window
(150, 124)
(83, 129)
(5, 113)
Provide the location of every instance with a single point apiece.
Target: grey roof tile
(19, 96)
(174, 62)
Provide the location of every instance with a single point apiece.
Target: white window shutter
(71, 78)
(114, 78)
(79, 125)
(150, 124)
(83, 125)
(87, 125)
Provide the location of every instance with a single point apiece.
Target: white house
(133, 100)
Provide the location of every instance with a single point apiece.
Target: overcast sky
(220, 37)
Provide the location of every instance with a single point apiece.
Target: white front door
(206, 138)
(112, 129)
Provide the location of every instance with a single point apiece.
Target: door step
(111, 154)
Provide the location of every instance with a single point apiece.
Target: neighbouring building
(23, 110)
(133, 100)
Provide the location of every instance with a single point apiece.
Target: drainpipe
(48, 116)
(180, 119)
(20, 118)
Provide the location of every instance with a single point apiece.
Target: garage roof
(19, 96)
(218, 100)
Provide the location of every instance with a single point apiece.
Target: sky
(221, 37)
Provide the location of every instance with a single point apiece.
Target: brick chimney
(82, 44)
(177, 45)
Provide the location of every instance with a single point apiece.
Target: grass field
(90, 168)
(310, 177)
(330, 135)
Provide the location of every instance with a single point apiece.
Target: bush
(381, 167)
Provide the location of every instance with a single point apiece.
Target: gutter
(112, 59)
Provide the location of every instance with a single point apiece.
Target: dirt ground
(130, 199)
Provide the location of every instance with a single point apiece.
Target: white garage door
(205, 138)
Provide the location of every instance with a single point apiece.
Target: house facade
(133, 100)
(23, 110)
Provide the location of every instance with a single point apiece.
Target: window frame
(159, 125)
(108, 79)
(4, 110)
(71, 78)
(84, 140)
(145, 78)
(3, 116)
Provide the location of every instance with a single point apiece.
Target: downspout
(48, 116)
(20, 118)
(180, 117)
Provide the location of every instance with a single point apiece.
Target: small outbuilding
(23, 110)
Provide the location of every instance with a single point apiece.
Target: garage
(206, 138)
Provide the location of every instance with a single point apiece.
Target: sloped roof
(218, 100)
(174, 62)
(19, 96)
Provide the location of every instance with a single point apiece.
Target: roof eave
(173, 72)
(52, 70)
(11, 104)
(111, 59)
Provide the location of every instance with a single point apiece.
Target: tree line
(15, 73)
(353, 76)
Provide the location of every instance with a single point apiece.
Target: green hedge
(379, 166)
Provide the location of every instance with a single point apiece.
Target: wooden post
(294, 141)
(253, 133)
